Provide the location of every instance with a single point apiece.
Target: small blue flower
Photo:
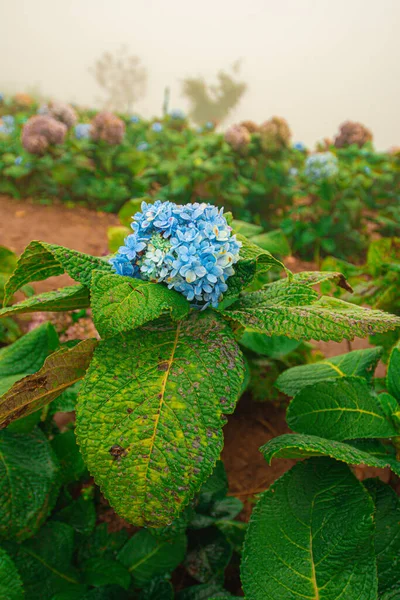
(7, 124)
(18, 160)
(157, 127)
(293, 172)
(199, 130)
(135, 119)
(1, 97)
(142, 146)
(299, 146)
(209, 125)
(321, 166)
(189, 248)
(177, 114)
(82, 131)
(367, 170)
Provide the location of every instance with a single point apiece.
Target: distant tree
(214, 102)
(122, 77)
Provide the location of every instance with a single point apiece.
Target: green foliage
(10, 581)
(292, 549)
(28, 482)
(68, 298)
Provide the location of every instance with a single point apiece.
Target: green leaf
(296, 311)
(8, 260)
(72, 466)
(274, 241)
(41, 260)
(150, 413)
(80, 514)
(28, 353)
(205, 591)
(101, 543)
(67, 298)
(28, 474)
(234, 531)
(157, 589)
(361, 363)
(341, 409)
(60, 370)
(275, 346)
(292, 548)
(116, 236)
(311, 278)
(44, 562)
(253, 260)
(369, 452)
(102, 571)
(393, 373)
(209, 556)
(10, 581)
(244, 228)
(124, 303)
(387, 534)
(146, 556)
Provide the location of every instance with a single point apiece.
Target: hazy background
(314, 62)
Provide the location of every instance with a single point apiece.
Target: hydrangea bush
(190, 248)
(152, 403)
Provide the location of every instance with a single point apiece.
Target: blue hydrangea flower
(199, 130)
(293, 172)
(142, 146)
(189, 248)
(135, 119)
(18, 160)
(367, 170)
(82, 131)
(299, 146)
(321, 166)
(209, 125)
(157, 127)
(177, 114)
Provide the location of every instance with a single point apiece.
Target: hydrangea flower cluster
(157, 127)
(82, 131)
(135, 119)
(7, 124)
(142, 146)
(189, 248)
(177, 114)
(321, 166)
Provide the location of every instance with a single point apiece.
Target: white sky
(315, 62)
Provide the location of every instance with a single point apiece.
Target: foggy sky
(315, 62)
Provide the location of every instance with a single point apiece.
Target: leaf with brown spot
(60, 370)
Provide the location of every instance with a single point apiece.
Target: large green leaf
(253, 260)
(273, 346)
(150, 413)
(341, 409)
(311, 278)
(72, 466)
(387, 534)
(124, 303)
(60, 370)
(146, 556)
(361, 363)
(369, 452)
(44, 562)
(41, 260)
(274, 241)
(28, 474)
(393, 374)
(10, 581)
(311, 536)
(246, 229)
(27, 355)
(103, 571)
(295, 310)
(67, 298)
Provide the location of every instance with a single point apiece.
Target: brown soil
(252, 425)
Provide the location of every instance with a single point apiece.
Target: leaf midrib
(162, 395)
